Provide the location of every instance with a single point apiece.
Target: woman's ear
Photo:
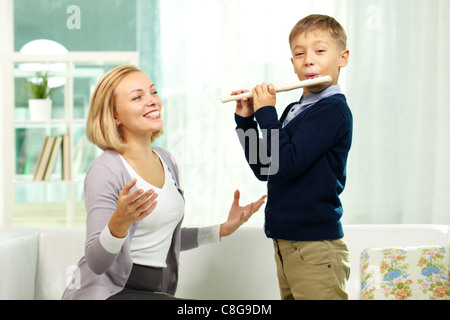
(117, 121)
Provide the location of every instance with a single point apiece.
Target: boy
(311, 140)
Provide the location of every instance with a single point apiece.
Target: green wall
(105, 25)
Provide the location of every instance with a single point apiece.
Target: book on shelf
(66, 158)
(53, 155)
(49, 155)
(43, 159)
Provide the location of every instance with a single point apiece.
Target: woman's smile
(153, 115)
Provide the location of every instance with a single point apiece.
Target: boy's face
(316, 54)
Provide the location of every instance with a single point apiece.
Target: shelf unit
(56, 202)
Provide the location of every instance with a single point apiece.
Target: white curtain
(397, 86)
(395, 83)
(6, 13)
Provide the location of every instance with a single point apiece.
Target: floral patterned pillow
(412, 273)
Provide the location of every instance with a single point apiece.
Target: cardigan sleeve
(101, 196)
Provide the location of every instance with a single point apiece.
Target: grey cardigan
(100, 274)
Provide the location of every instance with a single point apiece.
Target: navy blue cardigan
(304, 186)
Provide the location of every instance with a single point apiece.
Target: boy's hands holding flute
(244, 107)
(263, 95)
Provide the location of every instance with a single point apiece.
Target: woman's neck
(138, 149)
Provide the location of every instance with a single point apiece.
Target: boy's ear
(344, 58)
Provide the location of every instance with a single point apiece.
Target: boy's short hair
(317, 22)
(101, 128)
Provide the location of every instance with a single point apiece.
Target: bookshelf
(55, 199)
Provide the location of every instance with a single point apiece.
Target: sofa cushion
(60, 250)
(409, 273)
(361, 237)
(241, 267)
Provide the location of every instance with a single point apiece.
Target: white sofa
(36, 264)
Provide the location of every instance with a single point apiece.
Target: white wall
(6, 45)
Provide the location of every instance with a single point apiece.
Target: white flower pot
(40, 109)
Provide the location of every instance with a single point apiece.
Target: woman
(134, 203)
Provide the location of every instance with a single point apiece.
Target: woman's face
(138, 106)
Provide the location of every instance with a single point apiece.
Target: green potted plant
(40, 93)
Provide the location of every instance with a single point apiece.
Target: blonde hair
(319, 22)
(101, 128)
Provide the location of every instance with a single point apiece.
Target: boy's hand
(264, 95)
(244, 107)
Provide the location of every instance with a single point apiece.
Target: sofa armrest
(19, 254)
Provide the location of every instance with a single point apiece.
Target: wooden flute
(283, 88)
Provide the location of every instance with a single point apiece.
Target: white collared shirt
(308, 100)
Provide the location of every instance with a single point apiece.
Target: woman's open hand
(131, 207)
(239, 215)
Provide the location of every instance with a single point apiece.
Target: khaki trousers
(316, 270)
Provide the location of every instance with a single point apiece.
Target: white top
(152, 238)
(153, 235)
